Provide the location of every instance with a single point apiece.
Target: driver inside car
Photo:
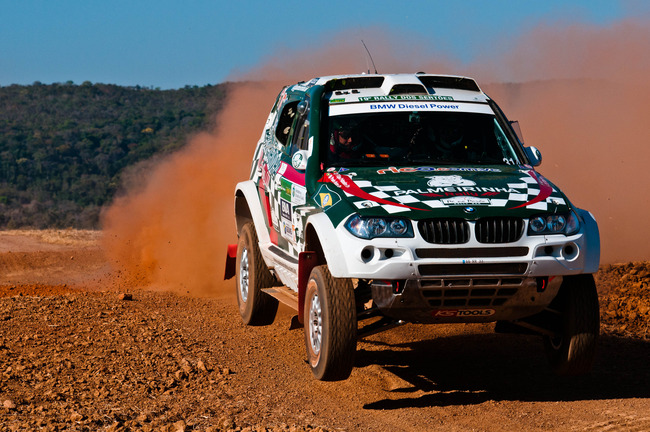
(344, 144)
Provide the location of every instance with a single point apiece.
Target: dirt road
(76, 355)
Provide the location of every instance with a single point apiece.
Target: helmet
(344, 139)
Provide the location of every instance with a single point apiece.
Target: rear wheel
(572, 350)
(330, 325)
(255, 306)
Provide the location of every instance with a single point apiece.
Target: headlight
(371, 227)
(566, 224)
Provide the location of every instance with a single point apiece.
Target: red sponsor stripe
(291, 174)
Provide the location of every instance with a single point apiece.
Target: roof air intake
(354, 83)
(459, 83)
(414, 89)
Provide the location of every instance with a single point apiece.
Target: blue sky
(170, 44)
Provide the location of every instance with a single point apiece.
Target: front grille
(444, 231)
(470, 292)
(499, 229)
(472, 269)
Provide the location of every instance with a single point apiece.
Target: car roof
(398, 86)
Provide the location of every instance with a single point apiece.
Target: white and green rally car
(375, 200)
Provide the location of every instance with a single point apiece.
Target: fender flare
(324, 230)
(247, 191)
(592, 241)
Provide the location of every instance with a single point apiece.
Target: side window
(301, 131)
(284, 123)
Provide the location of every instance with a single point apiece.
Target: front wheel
(572, 350)
(330, 325)
(255, 306)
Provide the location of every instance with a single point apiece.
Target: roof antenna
(373, 62)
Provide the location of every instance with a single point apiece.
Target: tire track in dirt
(625, 424)
(51, 267)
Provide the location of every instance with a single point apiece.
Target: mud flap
(231, 260)
(306, 263)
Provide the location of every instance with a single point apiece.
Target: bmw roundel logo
(469, 209)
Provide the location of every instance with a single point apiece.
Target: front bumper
(470, 282)
(414, 258)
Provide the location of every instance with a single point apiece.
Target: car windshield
(445, 138)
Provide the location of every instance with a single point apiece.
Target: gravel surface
(100, 355)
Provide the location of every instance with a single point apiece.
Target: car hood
(427, 192)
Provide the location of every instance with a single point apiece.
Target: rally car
(376, 200)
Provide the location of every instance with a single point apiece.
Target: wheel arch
(313, 244)
(248, 207)
(242, 211)
(592, 241)
(321, 237)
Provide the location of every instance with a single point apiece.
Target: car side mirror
(299, 160)
(534, 155)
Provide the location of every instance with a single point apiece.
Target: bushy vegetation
(63, 147)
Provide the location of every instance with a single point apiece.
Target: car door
(289, 192)
(282, 186)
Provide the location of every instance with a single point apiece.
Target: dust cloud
(582, 100)
(172, 230)
(579, 93)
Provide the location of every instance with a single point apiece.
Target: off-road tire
(255, 306)
(330, 325)
(572, 352)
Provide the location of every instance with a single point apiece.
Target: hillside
(64, 147)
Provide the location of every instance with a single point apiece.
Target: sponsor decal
(287, 230)
(456, 191)
(449, 313)
(395, 170)
(325, 199)
(449, 180)
(465, 201)
(325, 194)
(408, 105)
(291, 174)
(284, 187)
(366, 204)
(334, 101)
(285, 209)
(412, 106)
(298, 195)
(405, 97)
(297, 159)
